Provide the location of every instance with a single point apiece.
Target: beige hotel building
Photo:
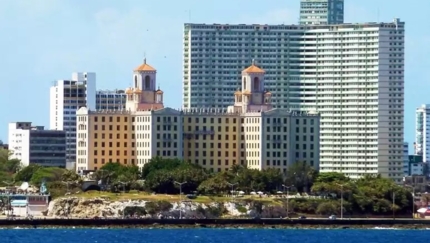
(249, 132)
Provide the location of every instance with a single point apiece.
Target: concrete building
(406, 159)
(422, 132)
(66, 97)
(249, 132)
(415, 165)
(34, 145)
(110, 100)
(314, 12)
(352, 74)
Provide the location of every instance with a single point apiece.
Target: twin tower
(252, 97)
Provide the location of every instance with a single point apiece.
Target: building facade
(422, 132)
(34, 145)
(406, 159)
(314, 12)
(415, 165)
(110, 100)
(352, 74)
(249, 132)
(66, 97)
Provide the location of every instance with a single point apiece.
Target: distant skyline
(48, 40)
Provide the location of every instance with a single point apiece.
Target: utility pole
(180, 196)
(288, 206)
(232, 188)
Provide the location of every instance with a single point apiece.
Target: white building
(110, 99)
(66, 97)
(406, 159)
(314, 12)
(422, 132)
(34, 145)
(352, 74)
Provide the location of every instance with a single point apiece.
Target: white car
(332, 217)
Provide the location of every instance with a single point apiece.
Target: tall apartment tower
(313, 12)
(422, 132)
(352, 74)
(66, 97)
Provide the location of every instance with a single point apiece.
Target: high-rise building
(313, 12)
(110, 99)
(35, 145)
(67, 96)
(422, 132)
(352, 74)
(249, 132)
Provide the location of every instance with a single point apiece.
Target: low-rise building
(35, 145)
(110, 99)
(250, 132)
(415, 165)
(3, 145)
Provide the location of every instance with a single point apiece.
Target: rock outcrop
(75, 207)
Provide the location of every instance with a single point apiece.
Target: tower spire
(253, 61)
(144, 57)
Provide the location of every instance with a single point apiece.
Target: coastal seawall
(212, 222)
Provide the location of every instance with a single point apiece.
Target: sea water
(376, 235)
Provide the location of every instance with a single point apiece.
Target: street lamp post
(232, 188)
(9, 207)
(413, 201)
(288, 206)
(341, 200)
(180, 196)
(394, 203)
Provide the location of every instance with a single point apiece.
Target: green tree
(27, 173)
(301, 175)
(48, 174)
(160, 175)
(159, 163)
(216, 184)
(118, 175)
(330, 177)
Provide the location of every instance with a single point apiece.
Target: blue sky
(47, 40)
